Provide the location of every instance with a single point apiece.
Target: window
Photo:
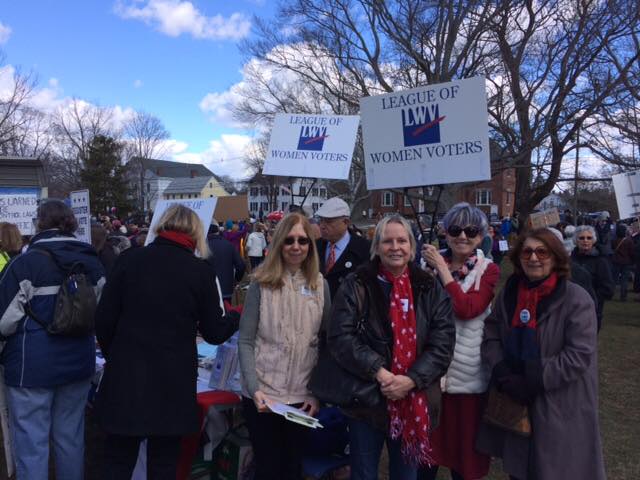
(263, 191)
(180, 195)
(483, 197)
(315, 207)
(303, 190)
(509, 197)
(253, 206)
(264, 206)
(210, 184)
(323, 192)
(253, 191)
(283, 192)
(387, 199)
(210, 196)
(148, 187)
(284, 206)
(314, 191)
(407, 201)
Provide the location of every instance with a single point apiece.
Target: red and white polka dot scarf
(409, 416)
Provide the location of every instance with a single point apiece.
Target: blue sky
(160, 56)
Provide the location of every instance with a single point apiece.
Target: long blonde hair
(271, 272)
(179, 218)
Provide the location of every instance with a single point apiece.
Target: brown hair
(562, 263)
(54, 213)
(179, 218)
(10, 238)
(272, 270)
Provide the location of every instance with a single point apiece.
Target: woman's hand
(432, 256)
(261, 401)
(384, 377)
(311, 406)
(398, 388)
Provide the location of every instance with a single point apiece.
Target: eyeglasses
(585, 238)
(301, 240)
(541, 253)
(470, 231)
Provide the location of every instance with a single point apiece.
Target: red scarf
(409, 416)
(180, 238)
(528, 299)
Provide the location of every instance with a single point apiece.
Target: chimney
(193, 173)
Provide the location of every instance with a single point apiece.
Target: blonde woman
(285, 306)
(10, 243)
(156, 300)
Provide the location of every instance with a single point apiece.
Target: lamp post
(575, 176)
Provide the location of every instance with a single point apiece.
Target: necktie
(332, 258)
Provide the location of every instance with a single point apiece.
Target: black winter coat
(364, 353)
(154, 302)
(228, 263)
(356, 253)
(601, 277)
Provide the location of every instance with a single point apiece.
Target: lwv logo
(312, 138)
(421, 125)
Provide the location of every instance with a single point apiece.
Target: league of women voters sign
(315, 146)
(429, 135)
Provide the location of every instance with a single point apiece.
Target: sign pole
(434, 219)
(313, 184)
(413, 208)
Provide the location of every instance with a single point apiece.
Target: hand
(230, 308)
(311, 406)
(261, 401)
(399, 387)
(384, 377)
(516, 387)
(432, 256)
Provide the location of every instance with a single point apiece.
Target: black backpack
(75, 305)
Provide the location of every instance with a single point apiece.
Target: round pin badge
(348, 264)
(525, 316)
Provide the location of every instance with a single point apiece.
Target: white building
(553, 200)
(266, 197)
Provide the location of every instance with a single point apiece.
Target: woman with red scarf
(392, 326)
(541, 344)
(156, 300)
(470, 279)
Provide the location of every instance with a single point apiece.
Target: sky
(175, 59)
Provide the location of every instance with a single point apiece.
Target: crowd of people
(411, 339)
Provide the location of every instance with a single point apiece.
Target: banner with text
(429, 135)
(79, 200)
(19, 206)
(203, 207)
(627, 188)
(315, 146)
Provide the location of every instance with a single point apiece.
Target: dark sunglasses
(301, 240)
(541, 253)
(470, 231)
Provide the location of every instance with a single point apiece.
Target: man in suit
(340, 251)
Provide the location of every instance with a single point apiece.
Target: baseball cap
(333, 208)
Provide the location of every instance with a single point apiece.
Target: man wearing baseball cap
(340, 252)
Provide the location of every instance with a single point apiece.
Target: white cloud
(225, 155)
(176, 17)
(5, 33)
(137, 83)
(219, 106)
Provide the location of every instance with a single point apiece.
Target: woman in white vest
(286, 304)
(470, 279)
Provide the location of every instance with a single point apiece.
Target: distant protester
(10, 243)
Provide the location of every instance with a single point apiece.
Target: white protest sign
(80, 205)
(19, 206)
(627, 188)
(429, 135)
(503, 245)
(315, 146)
(203, 207)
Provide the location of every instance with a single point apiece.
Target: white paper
(503, 245)
(315, 146)
(204, 207)
(429, 135)
(294, 415)
(627, 188)
(82, 210)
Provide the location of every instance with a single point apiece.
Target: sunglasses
(585, 238)
(301, 240)
(470, 231)
(541, 253)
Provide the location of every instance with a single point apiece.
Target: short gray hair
(382, 224)
(586, 228)
(463, 214)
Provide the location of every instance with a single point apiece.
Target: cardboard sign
(627, 188)
(548, 218)
(19, 206)
(203, 207)
(315, 146)
(429, 135)
(80, 205)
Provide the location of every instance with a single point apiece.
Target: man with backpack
(47, 303)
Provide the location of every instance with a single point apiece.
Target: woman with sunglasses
(541, 344)
(470, 279)
(588, 255)
(286, 304)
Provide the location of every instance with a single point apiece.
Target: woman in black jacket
(156, 300)
(404, 344)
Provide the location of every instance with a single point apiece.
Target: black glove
(516, 387)
(533, 376)
(501, 370)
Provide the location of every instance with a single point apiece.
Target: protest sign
(548, 218)
(627, 188)
(82, 211)
(315, 146)
(19, 206)
(203, 207)
(429, 135)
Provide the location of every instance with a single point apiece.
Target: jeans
(121, 454)
(622, 274)
(366, 447)
(37, 413)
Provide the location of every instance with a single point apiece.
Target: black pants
(277, 444)
(430, 473)
(121, 453)
(255, 262)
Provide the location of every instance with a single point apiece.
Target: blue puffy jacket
(31, 356)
